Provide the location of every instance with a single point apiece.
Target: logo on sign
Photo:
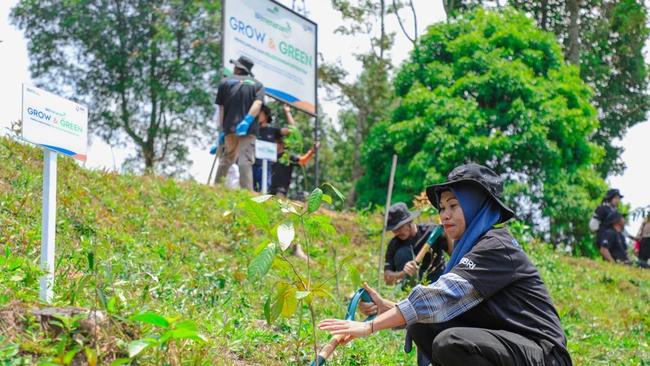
(47, 118)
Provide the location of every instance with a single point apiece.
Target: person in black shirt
(612, 242)
(490, 307)
(268, 133)
(608, 206)
(282, 172)
(239, 99)
(407, 242)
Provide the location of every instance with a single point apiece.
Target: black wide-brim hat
(244, 63)
(398, 215)
(473, 173)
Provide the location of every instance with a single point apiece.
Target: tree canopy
(147, 70)
(489, 87)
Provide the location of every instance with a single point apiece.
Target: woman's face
(451, 215)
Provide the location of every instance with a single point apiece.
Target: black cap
(612, 193)
(485, 177)
(244, 63)
(398, 215)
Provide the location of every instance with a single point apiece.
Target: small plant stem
(304, 233)
(336, 274)
(313, 330)
(298, 341)
(293, 268)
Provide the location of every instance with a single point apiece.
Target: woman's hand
(377, 306)
(348, 328)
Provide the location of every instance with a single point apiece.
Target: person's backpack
(594, 223)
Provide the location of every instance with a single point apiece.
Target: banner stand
(59, 126)
(265, 165)
(46, 292)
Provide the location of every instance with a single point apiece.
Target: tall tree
(490, 87)
(606, 39)
(368, 96)
(147, 69)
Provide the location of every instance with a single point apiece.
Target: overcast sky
(14, 61)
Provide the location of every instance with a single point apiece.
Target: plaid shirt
(440, 301)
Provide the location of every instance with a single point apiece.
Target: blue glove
(242, 127)
(220, 141)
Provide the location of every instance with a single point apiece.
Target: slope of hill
(166, 264)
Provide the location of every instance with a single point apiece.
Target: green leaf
(91, 356)
(278, 303)
(67, 358)
(261, 264)
(287, 208)
(286, 233)
(261, 199)
(338, 193)
(137, 346)
(151, 318)
(302, 294)
(267, 310)
(120, 361)
(256, 214)
(327, 198)
(355, 276)
(290, 302)
(314, 200)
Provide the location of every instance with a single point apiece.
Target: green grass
(128, 244)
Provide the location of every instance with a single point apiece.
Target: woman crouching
(490, 307)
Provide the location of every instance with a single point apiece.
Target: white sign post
(265, 151)
(281, 43)
(60, 126)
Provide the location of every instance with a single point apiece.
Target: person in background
(612, 242)
(408, 240)
(608, 205)
(282, 172)
(269, 133)
(643, 237)
(239, 98)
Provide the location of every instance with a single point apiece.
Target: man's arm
(255, 109)
(220, 114)
(287, 113)
(606, 254)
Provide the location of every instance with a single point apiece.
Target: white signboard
(265, 150)
(281, 43)
(54, 122)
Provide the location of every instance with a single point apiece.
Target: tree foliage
(365, 100)
(609, 49)
(491, 88)
(146, 69)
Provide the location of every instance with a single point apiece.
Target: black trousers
(453, 344)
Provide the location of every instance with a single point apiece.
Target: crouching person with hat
(408, 240)
(611, 243)
(490, 307)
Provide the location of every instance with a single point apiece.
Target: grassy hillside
(167, 261)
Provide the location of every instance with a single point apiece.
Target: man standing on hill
(239, 98)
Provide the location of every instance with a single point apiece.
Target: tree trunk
(544, 15)
(573, 40)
